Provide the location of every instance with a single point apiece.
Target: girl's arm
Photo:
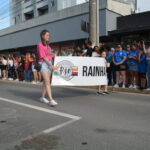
(47, 61)
(144, 49)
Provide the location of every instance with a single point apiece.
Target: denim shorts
(45, 67)
(33, 69)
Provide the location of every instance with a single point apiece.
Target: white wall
(81, 1)
(62, 4)
(119, 7)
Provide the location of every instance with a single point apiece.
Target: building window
(43, 10)
(29, 15)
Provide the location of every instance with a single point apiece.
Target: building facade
(65, 25)
(132, 28)
(23, 10)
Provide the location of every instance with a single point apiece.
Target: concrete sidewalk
(128, 90)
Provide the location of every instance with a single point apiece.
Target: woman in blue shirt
(142, 69)
(146, 50)
(119, 59)
(133, 66)
(128, 80)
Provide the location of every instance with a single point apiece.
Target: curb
(126, 90)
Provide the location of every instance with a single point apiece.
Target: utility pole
(136, 6)
(94, 21)
(97, 24)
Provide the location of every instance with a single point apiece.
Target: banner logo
(66, 70)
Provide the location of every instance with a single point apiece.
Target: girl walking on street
(45, 61)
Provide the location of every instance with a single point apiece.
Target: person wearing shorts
(45, 61)
(133, 66)
(119, 59)
(34, 70)
(142, 69)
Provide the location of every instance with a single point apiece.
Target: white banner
(79, 71)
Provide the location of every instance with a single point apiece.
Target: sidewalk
(91, 87)
(127, 90)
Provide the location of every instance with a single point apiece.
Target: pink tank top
(44, 52)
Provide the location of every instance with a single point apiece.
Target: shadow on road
(120, 131)
(34, 94)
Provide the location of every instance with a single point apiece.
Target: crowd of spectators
(128, 66)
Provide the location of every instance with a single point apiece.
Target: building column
(52, 5)
(93, 21)
(22, 13)
(35, 9)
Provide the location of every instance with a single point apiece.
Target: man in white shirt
(10, 67)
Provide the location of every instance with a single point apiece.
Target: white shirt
(95, 54)
(4, 62)
(10, 62)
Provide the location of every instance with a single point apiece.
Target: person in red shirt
(27, 68)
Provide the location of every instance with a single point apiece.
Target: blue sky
(143, 5)
(4, 13)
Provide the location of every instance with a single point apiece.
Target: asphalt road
(81, 121)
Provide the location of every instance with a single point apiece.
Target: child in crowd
(103, 90)
(35, 72)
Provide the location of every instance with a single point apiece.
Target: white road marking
(61, 114)
(58, 126)
(41, 109)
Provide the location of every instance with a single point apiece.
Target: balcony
(28, 6)
(41, 4)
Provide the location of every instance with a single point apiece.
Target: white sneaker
(44, 100)
(135, 87)
(116, 85)
(33, 82)
(17, 80)
(148, 89)
(10, 79)
(53, 103)
(131, 86)
(123, 86)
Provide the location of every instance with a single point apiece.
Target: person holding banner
(45, 64)
(104, 88)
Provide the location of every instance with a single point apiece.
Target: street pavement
(81, 121)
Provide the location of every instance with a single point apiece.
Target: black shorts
(122, 67)
(142, 75)
(3, 67)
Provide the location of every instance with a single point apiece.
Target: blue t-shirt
(142, 64)
(134, 54)
(119, 55)
(109, 57)
(127, 56)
